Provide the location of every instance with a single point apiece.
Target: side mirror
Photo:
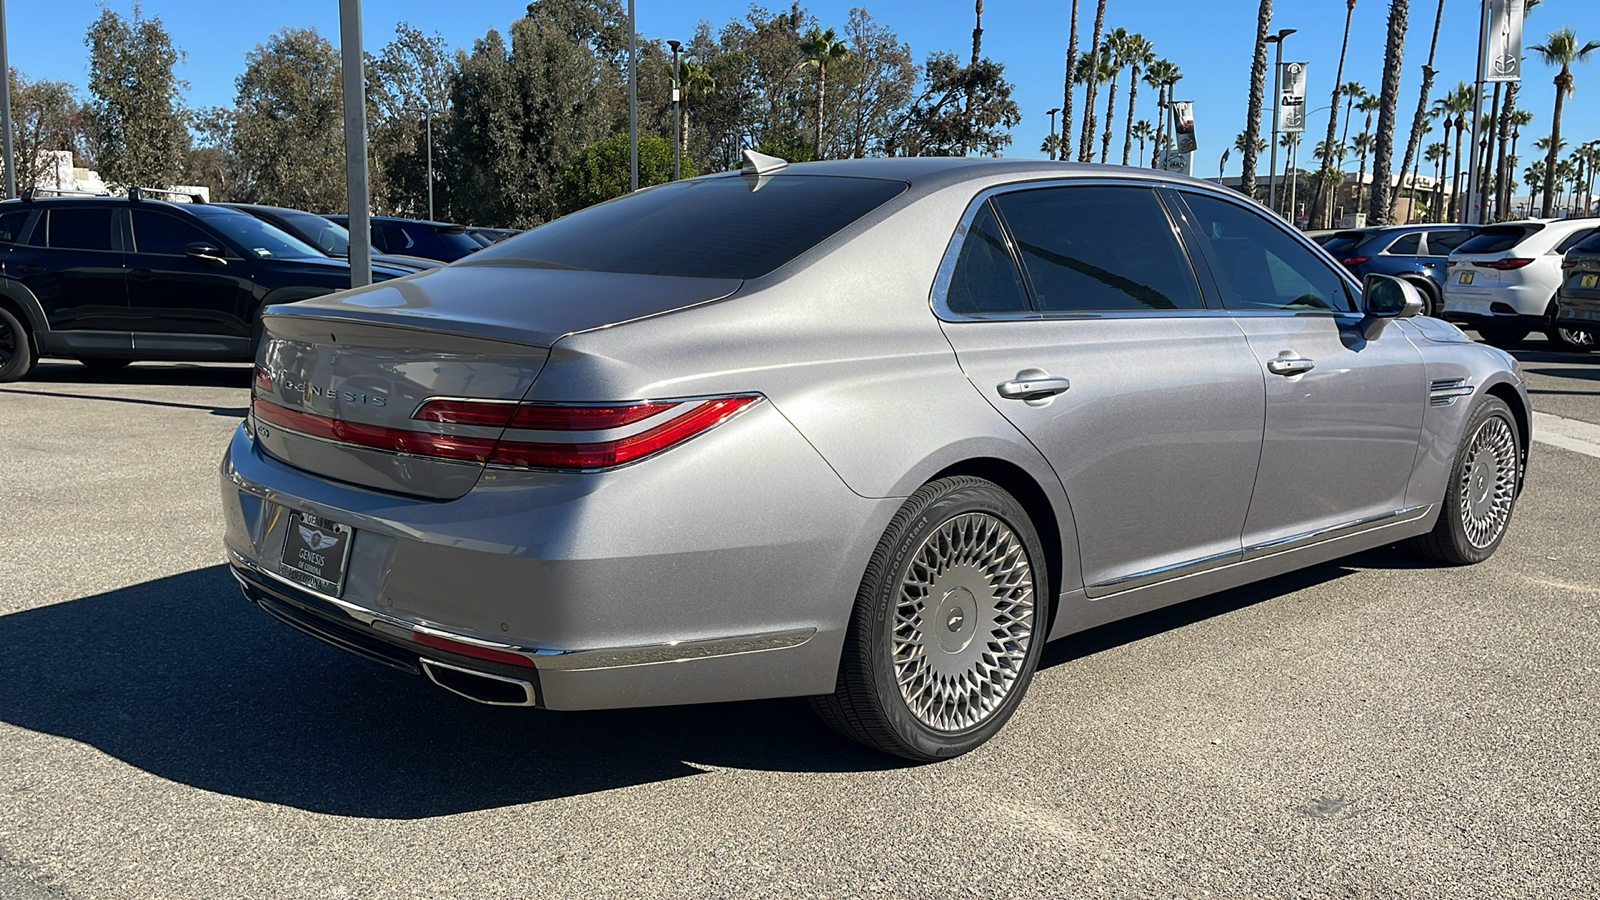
(211, 253)
(1385, 297)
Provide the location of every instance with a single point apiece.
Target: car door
(1102, 352)
(1344, 413)
(171, 293)
(73, 264)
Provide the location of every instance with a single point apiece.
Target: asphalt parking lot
(1369, 728)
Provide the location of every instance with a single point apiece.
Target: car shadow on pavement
(231, 412)
(177, 374)
(183, 678)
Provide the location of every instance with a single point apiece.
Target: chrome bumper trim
(544, 658)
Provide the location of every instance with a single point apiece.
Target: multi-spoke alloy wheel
(1573, 339)
(948, 625)
(1482, 492)
(963, 623)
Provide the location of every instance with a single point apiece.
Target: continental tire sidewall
(955, 497)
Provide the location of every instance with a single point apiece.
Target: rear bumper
(1579, 310)
(1511, 299)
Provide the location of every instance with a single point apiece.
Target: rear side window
(1497, 238)
(457, 241)
(1440, 243)
(1406, 245)
(1260, 266)
(159, 232)
(705, 228)
(1590, 244)
(80, 229)
(985, 278)
(11, 226)
(1098, 249)
(1573, 240)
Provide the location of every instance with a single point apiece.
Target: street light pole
(677, 136)
(1277, 101)
(633, 102)
(1053, 142)
(355, 143)
(9, 161)
(429, 120)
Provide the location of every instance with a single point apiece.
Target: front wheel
(101, 365)
(16, 351)
(1503, 336)
(948, 625)
(1483, 489)
(1572, 340)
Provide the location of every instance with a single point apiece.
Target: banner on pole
(1503, 48)
(1292, 97)
(1183, 124)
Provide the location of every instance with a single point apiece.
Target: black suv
(110, 280)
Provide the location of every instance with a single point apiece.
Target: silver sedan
(869, 432)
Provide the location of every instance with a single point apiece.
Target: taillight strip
(605, 454)
(538, 416)
(377, 437)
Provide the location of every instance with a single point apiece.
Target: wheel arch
(20, 302)
(1508, 393)
(1017, 482)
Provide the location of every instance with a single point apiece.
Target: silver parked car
(870, 432)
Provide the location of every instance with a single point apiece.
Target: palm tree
(1143, 131)
(819, 49)
(1560, 48)
(1162, 75)
(1566, 173)
(977, 45)
(1052, 143)
(1361, 144)
(695, 84)
(1420, 119)
(1086, 141)
(1442, 110)
(1434, 153)
(1138, 53)
(1352, 92)
(1322, 211)
(1066, 90)
(1094, 71)
(1288, 140)
(1533, 177)
(1382, 210)
(1505, 180)
(1116, 45)
(1258, 86)
(1455, 105)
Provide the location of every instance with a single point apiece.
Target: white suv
(1503, 280)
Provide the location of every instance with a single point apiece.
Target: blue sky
(1211, 40)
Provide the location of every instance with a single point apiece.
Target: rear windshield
(458, 240)
(1591, 244)
(1343, 242)
(706, 228)
(1497, 238)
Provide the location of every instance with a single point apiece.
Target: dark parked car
(1417, 253)
(330, 237)
(1578, 304)
(110, 280)
(415, 237)
(492, 235)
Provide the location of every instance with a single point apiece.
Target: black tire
(16, 348)
(101, 365)
(1432, 305)
(1571, 340)
(1486, 473)
(934, 543)
(1503, 336)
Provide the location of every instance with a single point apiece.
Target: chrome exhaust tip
(494, 690)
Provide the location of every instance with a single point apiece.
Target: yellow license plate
(1465, 278)
(1588, 281)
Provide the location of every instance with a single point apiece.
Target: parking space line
(1568, 434)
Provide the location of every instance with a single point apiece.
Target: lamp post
(1277, 101)
(357, 195)
(1053, 142)
(633, 102)
(5, 110)
(676, 116)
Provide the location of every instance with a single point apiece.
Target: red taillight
(377, 437)
(473, 650)
(1449, 263)
(488, 413)
(1515, 262)
(1354, 261)
(604, 454)
(584, 418)
(262, 381)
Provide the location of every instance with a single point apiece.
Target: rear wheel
(948, 624)
(1483, 489)
(1572, 340)
(16, 350)
(1431, 304)
(103, 365)
(1503, 336)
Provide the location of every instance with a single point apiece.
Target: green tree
(1560, 48)
(135, 121)
(1116, 47)
(1139, 54)
(1325, 176)
(45, 116)
(1381, 210)
(1092, 85)
(601, 171)
(822, 48)
(1162, 75)
(287, 134)
(874, 83)
(940, 123)
(1258, 87)
(408, 84)
(1419, 119)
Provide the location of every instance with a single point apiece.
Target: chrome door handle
(1290, 365)
(1033, 388)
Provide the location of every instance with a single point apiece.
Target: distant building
(59, 174)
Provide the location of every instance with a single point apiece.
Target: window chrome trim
(952, 252)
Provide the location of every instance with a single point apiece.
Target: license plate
(1465, 277)
(315, 551)
(1588, 281)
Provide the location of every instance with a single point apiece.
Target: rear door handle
(28, 268)
(1290, 365)
(1035, 388)
(141, 274)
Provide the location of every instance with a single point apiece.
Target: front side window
(158, 232)
(1260, 267)
(80, 229)
(985, 277)
(1099, 249)
(11, 226)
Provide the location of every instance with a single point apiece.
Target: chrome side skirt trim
(1264, 549)
(544, 658)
